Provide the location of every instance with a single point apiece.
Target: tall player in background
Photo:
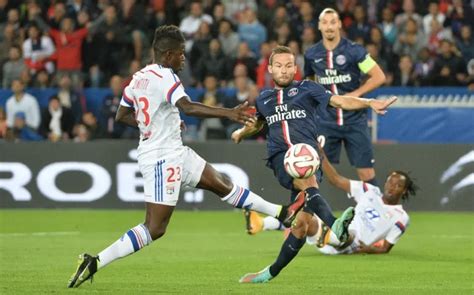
(380, 219)
(339, 64)
(152, 102)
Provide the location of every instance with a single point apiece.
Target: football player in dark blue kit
(290, 111)
(339, 65)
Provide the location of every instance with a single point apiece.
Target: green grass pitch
(207, 252)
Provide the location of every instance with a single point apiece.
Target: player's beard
(282, 84)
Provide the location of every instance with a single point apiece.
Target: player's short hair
(328, 10)
(167, 37)
(279, 50)
(410, 185)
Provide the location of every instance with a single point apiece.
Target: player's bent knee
(300, 226)
(156, 231)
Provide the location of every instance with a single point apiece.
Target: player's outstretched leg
(240, 197)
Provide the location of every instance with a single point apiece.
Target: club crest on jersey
(340, 59)
(372, 214)
(170, 189)
(292, 92)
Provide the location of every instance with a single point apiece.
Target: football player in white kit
(380, 219)
(152, 102)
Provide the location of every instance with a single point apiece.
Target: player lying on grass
(379, 217)
(152, 102)
(290, 111)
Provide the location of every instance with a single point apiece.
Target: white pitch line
(40, 234)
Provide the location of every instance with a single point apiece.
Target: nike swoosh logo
(318, 60)
(267, 101)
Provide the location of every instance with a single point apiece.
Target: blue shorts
(356, 139)
(275, 163)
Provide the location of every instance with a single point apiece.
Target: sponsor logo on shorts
(170, 189)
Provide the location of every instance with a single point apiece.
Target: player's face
(283, 69)
(395, 187)
(329, 25)
(176, 58)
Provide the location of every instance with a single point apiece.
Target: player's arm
(252, 127)
(371, 249)
(350, 103)
(332, 175)
(126, 115)
(376, 77)
(240, 113)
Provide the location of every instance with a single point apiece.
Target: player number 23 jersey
(152, 93)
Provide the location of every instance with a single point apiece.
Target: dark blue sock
(318, 205)
(373, 182)
(289, 250)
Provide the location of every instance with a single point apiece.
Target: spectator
(218, 16)
(437, 33)
(306, 20)
(213, 63)
(241, 95)
(190, 24)
(458, 14)
(13, 68)
(405, 75)
(279, 18)
(69, 97)
(94, 130)
(132, 13)
(409, 13)
(236, 9)
(24, 103)
(466, 43)
(264, 78)
(424, 67)
(359, 27)
(267, 12)
(202, 38)
(80, 133)
(240, 70)
(449, 69)
(20, 131)
(283, 34)
(299, 57)
(308, 38)
(410, 41)
(3, 124)
(374, 52)
(388, 26)
(434, 14)
(252, 31)
(383, 47)
(246, 57)
(56, 14)
(42, 80)
(228, 38)
(9, 39)
(211, 128)
(37, 50)
(109, 109)
(470, 78)
(57, 121)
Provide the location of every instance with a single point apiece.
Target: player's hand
(381, 106)
(242, 113)
(236, 136)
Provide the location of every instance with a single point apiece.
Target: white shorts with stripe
(165, 177)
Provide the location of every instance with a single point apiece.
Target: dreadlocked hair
(410, 185)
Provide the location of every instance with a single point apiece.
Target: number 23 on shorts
(174, 174)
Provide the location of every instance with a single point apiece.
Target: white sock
(132, 241)
(271, 223)
(243, 198)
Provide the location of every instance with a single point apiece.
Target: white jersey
(153, 93)
(375, 220)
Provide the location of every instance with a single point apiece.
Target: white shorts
(164, 179)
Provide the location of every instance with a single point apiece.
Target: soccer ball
(301, 161)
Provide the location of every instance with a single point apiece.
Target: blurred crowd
(75, 44)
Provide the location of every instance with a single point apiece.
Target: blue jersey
(338, 71)
(291, 113)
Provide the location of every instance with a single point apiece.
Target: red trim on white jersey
(284, 123)
(340, 117)
(159, 76)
